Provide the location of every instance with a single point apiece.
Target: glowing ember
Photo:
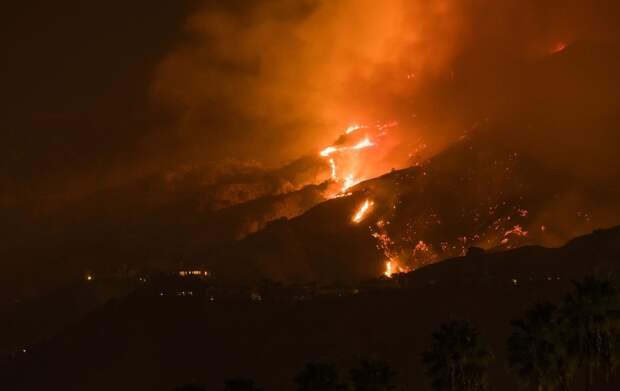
(361, 212)
(523, 212)
(559, 47)
(517, 230)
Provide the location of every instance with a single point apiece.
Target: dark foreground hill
(158, 221)
(152, 342)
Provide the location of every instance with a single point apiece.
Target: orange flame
(388, 269)
(332, 165)
(349, 180)
(328, 151)
(361, 212)
(392, 266)
(353, 128)
(365, 143)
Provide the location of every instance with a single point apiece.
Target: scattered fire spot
(522, 212)
(517, 230)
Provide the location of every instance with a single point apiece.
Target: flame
(392, 266)
(328, 151)
(365, 143)
(349, 182)
(362, 210)
(388, 269)
(343, 153)
(332, 166)
(353, 128)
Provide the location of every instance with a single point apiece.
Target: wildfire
(344, 162)
(361, 212)
(353, 128)
(392, 266)
(388, 269)
(349, 182)
(365, 143)
(332, 166)
(328, 151)
(343, 151)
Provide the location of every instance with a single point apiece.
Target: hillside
(483, 191)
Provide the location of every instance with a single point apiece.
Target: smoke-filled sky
(99, 95)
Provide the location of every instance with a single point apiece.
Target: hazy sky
(101, 93)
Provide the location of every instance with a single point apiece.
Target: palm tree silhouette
(318, 376)
(538, 352)
(593, 313)
(241, 384)
(190, 387)
(372, 375)
(456, 360)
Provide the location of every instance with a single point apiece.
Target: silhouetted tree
(241, 384)
(593, 313)
(190, 387)
(318, 376)
(538, 351)
(456, 360)
(373, 375)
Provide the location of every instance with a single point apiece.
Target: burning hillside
(243, 167)
(482, 192)
(348, 139)
(361, 152)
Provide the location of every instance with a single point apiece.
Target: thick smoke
(275, 79)
(271, 80)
